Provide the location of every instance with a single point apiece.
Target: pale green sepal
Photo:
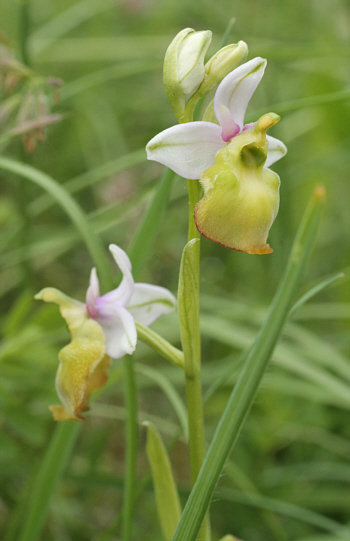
(188, 307)
(209, 115)
(167, 497)
(229, 538)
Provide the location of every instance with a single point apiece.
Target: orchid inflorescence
(231, 159)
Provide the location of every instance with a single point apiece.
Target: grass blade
(244, 392)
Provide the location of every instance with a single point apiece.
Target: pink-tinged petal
(228, 125)
(188, 149)
(92, 294)
(119, 329)
(276, 150)
(236, 89)
(150, 302)
(122, 294)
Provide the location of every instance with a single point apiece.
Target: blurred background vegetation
(289, 475)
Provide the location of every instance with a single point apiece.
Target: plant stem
(192, 356)
(131, 445)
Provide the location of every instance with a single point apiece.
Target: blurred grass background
(289, 478)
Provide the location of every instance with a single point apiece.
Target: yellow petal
(82, 370)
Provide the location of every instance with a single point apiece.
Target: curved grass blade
(314, 291)
(71, 208)
(145, 235)
(244, 391)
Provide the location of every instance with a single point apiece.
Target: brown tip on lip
(261, 249)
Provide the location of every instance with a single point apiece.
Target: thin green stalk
(131, 446)
(160, 345)
(247, 385)
(190, 338)
(191, 348)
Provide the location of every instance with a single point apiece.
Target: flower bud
(241, 196)
(183, 69)
(221, 64)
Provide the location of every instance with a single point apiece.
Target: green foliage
(288, 479)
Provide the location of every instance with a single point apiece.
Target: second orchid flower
(101, 328)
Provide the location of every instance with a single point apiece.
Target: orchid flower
(240, 191)
(101, 328)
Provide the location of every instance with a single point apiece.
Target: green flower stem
(194, 191)
(71, 208)
(131, 446)
(193, 381)
(193, 364)
(188, 307)
(55, 459)
(160, 345)
(247, 385)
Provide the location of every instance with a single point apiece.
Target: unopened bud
(184, 66)
(221, 64)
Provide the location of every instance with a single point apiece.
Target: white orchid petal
(150, 302)
(92, 294)
(276, 150)
(123, 293)
(119, 329)
(188, 149)
(191, 60)
(236, 89)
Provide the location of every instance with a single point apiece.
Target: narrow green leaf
(50, 471)
(145, 235)
(66, 21)
(284, 508)
(247, 385)
(167, 498)
(91, 178)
